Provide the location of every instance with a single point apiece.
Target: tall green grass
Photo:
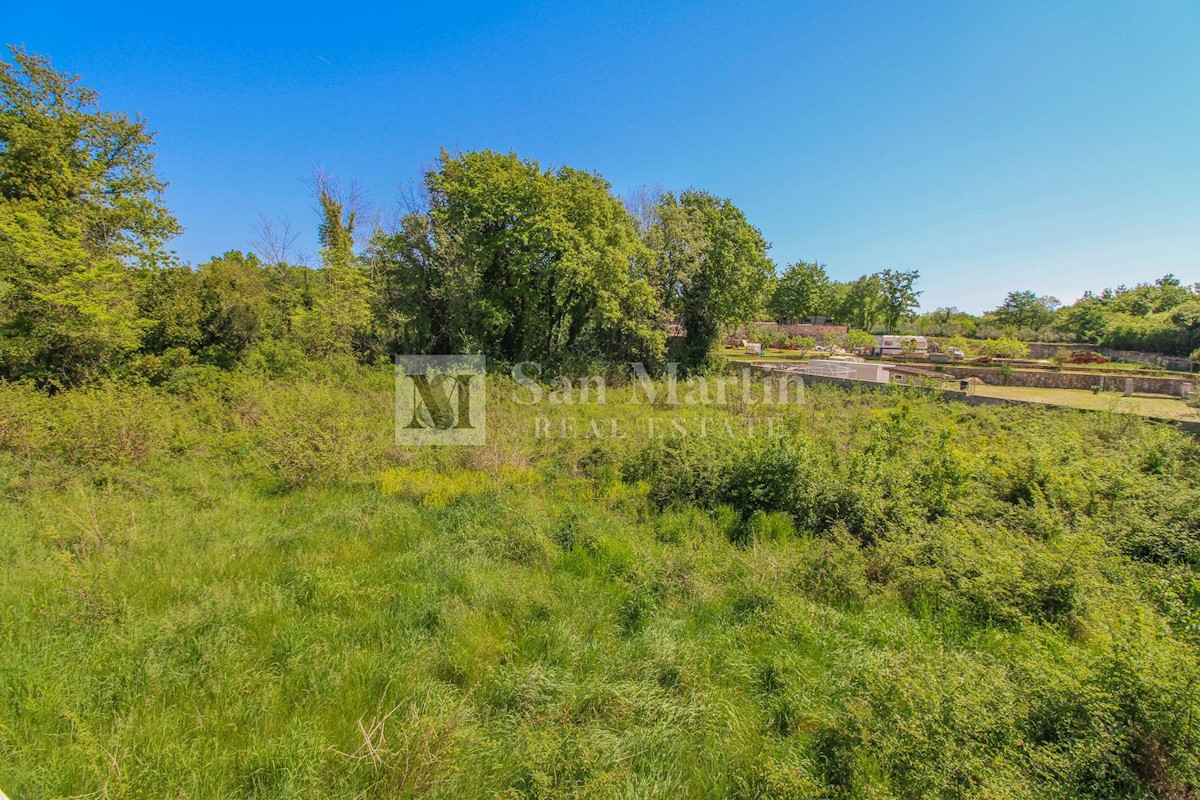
(229, 586)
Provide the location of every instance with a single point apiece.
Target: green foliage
(1026, 310)
(520, 263)
(900, 297)
(802, 291)
(804, 343)
(313, 433)
(861, 303)
(1004, 348)
(883, 298)
(946, 322)
(340, 314)
(1162, 317)
(859, 341)
(710, 268)
(87, 170)
(961, 342)
(78, 201)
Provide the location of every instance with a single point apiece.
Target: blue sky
(991, 145)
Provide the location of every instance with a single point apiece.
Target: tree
(858, 341)
(340, 314)
(862, 304)
(274, 242)
(961, 342)
(235, 306)
(520, 263)
(802, 291)
(1087, 319)
(1004, 348)
(946, 321)
(711, 268)
(805, 343)
(1026, 310)
(900, 297)
(79, 203)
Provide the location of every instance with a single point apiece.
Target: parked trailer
(903, 345)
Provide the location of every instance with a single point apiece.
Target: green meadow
(237, 586)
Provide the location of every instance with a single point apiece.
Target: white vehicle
(956, 353)
(903, 345)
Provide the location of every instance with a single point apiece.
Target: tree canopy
(710, 268)
(79, 204)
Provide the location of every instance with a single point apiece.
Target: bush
(23, 418)
(961, 342)
(1004, 348)
(1087, 357)
(749, 477)
(275, 358)
(112, 424)
(315, 434)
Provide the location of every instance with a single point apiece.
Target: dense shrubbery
(1158, 317)
(1029, 531)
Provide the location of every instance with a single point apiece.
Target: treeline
(492, 254)
(1158, 317)
(879, 301)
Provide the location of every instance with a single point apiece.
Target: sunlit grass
(528, 619)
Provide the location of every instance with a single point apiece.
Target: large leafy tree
(519, 263)
(1026, 310)
(899, 294)
(711, 268)
(862, 303)
(802, 291)
(79, 203)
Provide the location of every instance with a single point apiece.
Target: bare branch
(273, 242)
(642, 205)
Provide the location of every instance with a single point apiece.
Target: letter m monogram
(440, 400)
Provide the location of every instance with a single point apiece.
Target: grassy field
(234, 587)
(1146, 405)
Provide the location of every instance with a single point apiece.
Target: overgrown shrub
(315, 433)
(1004, 348)
(758, 475)
(23, 418)
(112, 424)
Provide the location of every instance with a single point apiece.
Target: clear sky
(991, 145)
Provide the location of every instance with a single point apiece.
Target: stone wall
(1044, 350)
(799, 329)
(1050, 379)
(970, 399)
